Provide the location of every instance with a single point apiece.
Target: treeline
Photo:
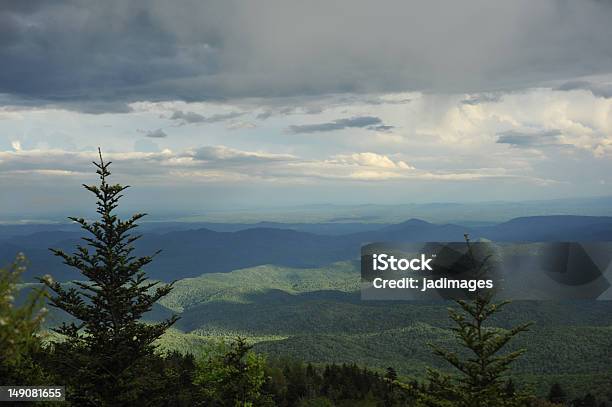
(231, 374)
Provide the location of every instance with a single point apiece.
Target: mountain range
(189, 250)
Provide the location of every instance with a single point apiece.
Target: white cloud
(223, 153)
(372, 160)
(221, 163)
(561, 140)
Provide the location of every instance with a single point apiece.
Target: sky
(231, 104)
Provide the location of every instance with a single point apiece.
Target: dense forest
(107, 351)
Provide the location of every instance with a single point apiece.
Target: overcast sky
(221, 104)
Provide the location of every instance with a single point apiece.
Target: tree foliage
(481, 381)
(232, 376)
(556, 394)
(482, 374)
(19, 326)
(106, 340)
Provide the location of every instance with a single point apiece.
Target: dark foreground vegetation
(107, 356)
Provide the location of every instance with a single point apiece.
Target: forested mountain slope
(192, 252)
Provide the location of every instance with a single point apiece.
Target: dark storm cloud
(599, 90)
(540, 139)
(68, 52)
(83, 106)
(360, 121)
(96, 107)
(193, 117)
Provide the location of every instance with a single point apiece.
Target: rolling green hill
(241, 286)
(316, 315)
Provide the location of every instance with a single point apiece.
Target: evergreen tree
(510, 388)
(106, 342)
(295, 373)
(313, 381)
(391, 374)
(481, 381)
(556, 394)
(481, 375)
(232, 377)
(179, 373)
(588, 401)
(390, 378)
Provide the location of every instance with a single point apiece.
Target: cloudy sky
(237, 104)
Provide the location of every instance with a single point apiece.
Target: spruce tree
(556, 394)
(232, 376)
(482, 373)
(106, 343)
(391, 374)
